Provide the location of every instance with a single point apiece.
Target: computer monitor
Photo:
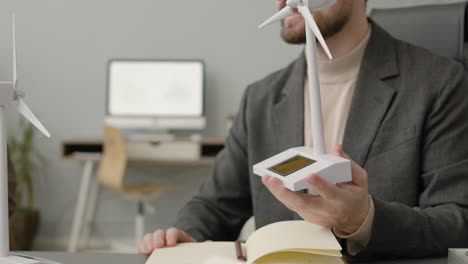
(156, 94)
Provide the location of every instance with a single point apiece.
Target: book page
(297, 258)
(331, 253)
(294, 236)
(194, 253)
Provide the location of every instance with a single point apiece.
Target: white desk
(112, 258)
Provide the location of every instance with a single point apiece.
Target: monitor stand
(149, 135)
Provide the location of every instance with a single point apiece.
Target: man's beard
(328, 26)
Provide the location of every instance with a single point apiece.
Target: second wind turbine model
(294, 165)
(9, 96)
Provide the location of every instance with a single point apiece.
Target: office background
(63, 49)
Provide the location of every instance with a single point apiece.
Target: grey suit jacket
(407, 126)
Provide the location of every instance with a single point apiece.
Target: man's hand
(343, 206)
(161, 238)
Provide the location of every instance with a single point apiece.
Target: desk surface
(112, 258)
(89, 258)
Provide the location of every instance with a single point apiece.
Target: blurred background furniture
(111, 175)
(91, 152)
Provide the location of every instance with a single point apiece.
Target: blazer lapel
(373, 95)
(368, 108)
(288, 111)
(371, 100)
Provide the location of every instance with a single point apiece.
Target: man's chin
(294, 33)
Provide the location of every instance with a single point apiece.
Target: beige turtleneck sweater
(338, 79)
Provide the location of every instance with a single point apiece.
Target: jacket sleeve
(223, 203)
(441, 219)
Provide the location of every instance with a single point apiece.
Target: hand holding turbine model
(10, 95)
(293, 166)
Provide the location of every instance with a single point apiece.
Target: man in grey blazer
(406, 132)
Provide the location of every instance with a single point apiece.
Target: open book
(297, 242)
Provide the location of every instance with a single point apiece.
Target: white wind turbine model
(9, 95)
(293, 166)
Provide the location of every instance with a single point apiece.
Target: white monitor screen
(156, 88)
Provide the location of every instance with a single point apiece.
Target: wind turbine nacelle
(311, 4)
(7, 93)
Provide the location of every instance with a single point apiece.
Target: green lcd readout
(292, 165)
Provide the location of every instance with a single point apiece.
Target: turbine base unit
(293, 166)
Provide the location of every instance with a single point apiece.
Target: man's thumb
(338, 151)
(359, 174)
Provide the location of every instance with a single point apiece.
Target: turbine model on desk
(293, 166)
(9, 95)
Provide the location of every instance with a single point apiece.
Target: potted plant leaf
(26, 161)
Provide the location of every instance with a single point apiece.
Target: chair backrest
(114, 160)
(439, 27)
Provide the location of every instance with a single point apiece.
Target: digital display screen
(155, 88)
(292, 165)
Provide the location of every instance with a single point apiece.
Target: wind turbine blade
(28, 114)
(15, 76)
(310, 21)
(283, 13)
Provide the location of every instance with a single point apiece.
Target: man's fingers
(174, 236)
(286, 196)
(159, 239)
(146, 244)
(325, 188)
(292, 200)
(359, 174)
(185, 238)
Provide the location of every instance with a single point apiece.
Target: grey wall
(63, 47)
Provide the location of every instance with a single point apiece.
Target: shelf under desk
(85, 150)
